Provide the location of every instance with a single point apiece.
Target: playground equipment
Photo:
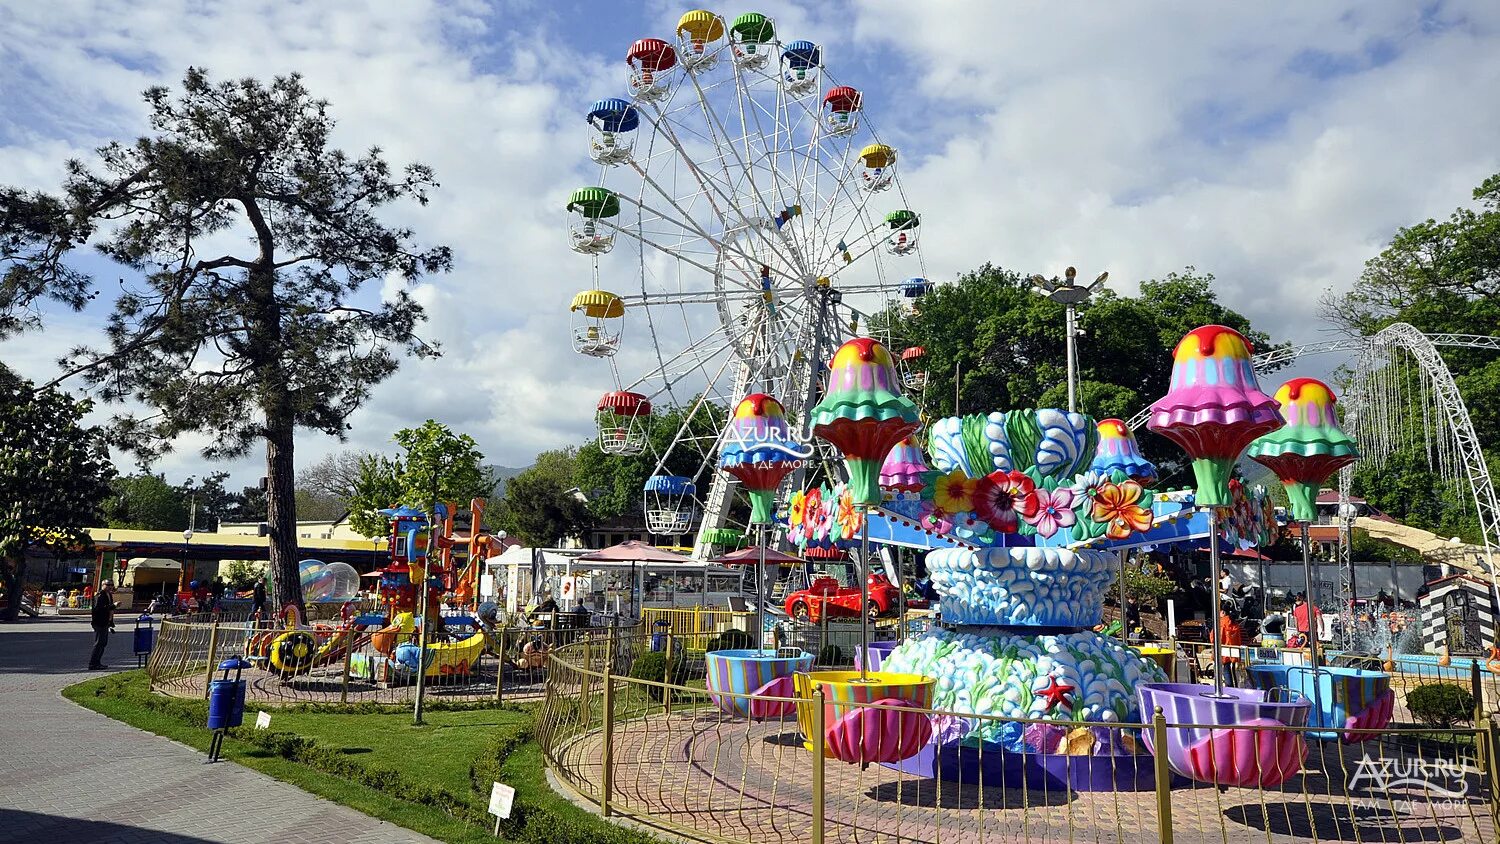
(328, 583)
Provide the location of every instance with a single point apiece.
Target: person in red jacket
(1231, 636)
(1300, 612)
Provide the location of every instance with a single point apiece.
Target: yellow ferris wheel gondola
(596, 326)
(879, 167)
(696, 33)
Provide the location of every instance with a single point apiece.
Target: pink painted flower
(999, 497)
(1047, 510)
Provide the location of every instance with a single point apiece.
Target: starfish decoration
(1055, 693)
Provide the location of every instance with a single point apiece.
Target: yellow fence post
(1163, 776)
(666, 678)
(1493, 736)
(607, 754)
(348, 658)
(818, 759)
(213, 646)
(1477, 689)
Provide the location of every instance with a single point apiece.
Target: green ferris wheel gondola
(903, 219)
(595, 202)
(753, 28)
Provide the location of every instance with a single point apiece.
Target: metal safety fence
(337, 666)
(666, 753)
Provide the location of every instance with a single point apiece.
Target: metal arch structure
(1367, 409)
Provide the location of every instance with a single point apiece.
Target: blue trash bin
(226, 704)
(659, 638)
(145, 635)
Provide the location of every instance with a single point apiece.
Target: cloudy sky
(1275, 145)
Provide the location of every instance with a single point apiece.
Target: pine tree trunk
(281, 515)
(12, 571)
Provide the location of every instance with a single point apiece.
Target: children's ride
(826, 598)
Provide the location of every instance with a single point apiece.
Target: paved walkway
(68, 774)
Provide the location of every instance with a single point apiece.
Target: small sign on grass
(263, 721)
(502, 797)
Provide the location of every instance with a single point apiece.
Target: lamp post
(1070, 295)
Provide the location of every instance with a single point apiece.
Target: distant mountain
(503, 474)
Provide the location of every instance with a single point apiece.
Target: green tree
(146, 502)
(1441, 277)
(1007, 345)
(612, 483)
(376, 487)
(439, 465)
(317, 507)
(252, 344)
(55, 474)
(542, 505)
(36, 231)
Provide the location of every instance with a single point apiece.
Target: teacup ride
(740, 679)
(1348, 704)
(870, 716)
(876, 651)
(1164, 656)
(1233, 737)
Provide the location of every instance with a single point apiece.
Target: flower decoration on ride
(953, 492)
(1048, 510)
(849, 518)
(1118, 505)
(1001, 497)
(814, 518)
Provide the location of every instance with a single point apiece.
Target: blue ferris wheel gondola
(800, 55)
(614, 115)
(670, 485)
(916, 287)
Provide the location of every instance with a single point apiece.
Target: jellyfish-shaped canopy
(863, 413)
(904, 467)
(1118, 452)
(614, 115)
(1310, 448)
(1214, 408)
(621, 418)
(668, 504)
(594, 331)
(759, 451)
(916, 287)
(879, 166)
(591, 205)
(903, 237)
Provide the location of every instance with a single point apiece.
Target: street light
(1067, 293)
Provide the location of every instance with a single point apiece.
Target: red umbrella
(750, 556)
(633, 551)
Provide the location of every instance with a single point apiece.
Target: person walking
(258, 600)
(102, 618)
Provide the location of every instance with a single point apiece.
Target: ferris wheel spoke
(662, 248)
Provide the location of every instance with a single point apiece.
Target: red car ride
(827, 595)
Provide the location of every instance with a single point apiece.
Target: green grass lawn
(434, 779)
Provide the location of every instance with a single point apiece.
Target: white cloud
(1277, 148)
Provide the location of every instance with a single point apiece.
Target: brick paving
(71, 775)
(729, 779)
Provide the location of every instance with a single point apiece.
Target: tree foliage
(146, 501)
(335, 476)
(542, 504)
(255, 243)
(1008, 345)
(612, 483)
(439, 465)
(55, 474)
(1441, 277)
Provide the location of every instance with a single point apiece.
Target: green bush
(652, 665)
(1441, 704)
(731, 640)
(831, 655)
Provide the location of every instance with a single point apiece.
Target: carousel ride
(749, 207)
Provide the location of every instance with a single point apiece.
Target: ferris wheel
(746, 220)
